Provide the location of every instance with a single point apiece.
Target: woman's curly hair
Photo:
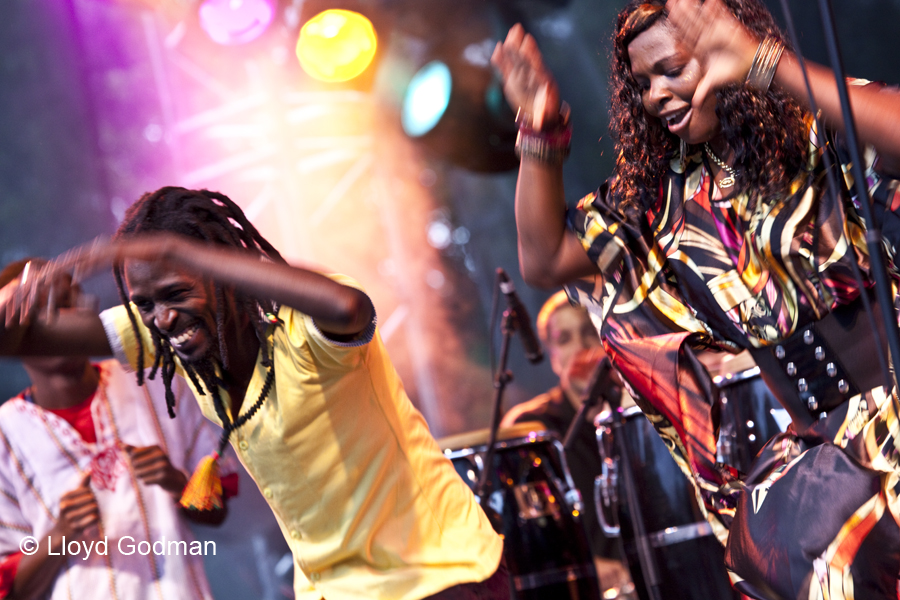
(766, 131)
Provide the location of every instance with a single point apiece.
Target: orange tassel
(204, 490)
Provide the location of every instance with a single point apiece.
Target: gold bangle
(765, 63)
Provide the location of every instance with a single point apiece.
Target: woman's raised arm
(710, 30)
(549, 253)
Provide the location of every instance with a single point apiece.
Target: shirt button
(314, 577)
(243, 445)
(267, 493)
(296, 534)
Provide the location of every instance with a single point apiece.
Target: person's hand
(579, 372)
(714, 35)
(528, 85)
(152, 466)
(156, 247)
(47, 286)
(79, 514)
(39, 288)
(11, 305)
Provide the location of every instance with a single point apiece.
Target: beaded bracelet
(551, 146)
(762, 71)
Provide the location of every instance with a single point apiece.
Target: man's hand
(39, 289)
(79, 514)
(79, 518)
(152, 466)
(581, 369)
(579, 374)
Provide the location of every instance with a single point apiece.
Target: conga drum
(644, 497)
(530, 499)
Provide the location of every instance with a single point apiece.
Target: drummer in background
(574, 349)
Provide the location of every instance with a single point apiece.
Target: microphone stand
(501, 379)
(592, 396)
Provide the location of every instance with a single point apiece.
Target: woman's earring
(683, 148)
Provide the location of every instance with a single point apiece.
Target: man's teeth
(184, 336)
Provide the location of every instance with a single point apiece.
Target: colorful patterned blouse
(700, 273)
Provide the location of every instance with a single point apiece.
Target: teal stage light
(426, 99)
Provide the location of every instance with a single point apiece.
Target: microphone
(520, 317)
(598, 388)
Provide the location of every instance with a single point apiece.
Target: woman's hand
(719, 41)
(549, 254)
(528, 85)
(727, 48)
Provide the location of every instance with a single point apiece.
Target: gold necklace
(725, 182)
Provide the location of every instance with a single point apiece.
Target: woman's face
(667, 75)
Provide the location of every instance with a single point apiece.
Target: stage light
(233, 22)
(454, 108)
(426, 98)
(336, 45)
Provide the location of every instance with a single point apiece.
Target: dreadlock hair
(765, 130)
(213, 218)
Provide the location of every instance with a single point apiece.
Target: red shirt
(79, 417)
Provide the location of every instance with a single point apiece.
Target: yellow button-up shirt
(367, 502)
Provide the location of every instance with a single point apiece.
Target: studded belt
(824, 364)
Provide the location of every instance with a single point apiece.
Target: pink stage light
(232, 22)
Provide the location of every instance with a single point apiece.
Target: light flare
(336, 45)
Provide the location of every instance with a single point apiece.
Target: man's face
(179, 305)
(570, 332)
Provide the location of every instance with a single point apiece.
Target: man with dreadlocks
(289, 362)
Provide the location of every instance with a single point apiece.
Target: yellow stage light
(336, 45)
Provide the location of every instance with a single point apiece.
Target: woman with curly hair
(730, 223)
